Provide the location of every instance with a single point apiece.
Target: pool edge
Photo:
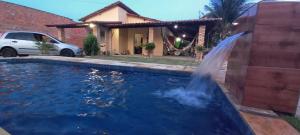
(136, 65)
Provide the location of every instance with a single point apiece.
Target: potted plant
(149, 47)
(45, 47)
(199, 52)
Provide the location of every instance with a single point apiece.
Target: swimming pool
(50, 97)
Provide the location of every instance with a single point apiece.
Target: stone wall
(268, 75)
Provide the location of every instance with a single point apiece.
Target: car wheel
(9, 52)
(67, 53)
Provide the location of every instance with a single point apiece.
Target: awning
(206, 21)
(116, 24)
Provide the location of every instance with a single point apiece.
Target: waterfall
(199, 91)
(213, 62)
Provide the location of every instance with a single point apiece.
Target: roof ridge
(117, 3)
(147, 18)
(36, 9)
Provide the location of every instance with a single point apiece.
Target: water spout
(199, 91)
(215, 61)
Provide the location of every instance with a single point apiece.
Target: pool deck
(3, 132)
(262, 122)
(113, 63)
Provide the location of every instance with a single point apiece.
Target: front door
(138, 42)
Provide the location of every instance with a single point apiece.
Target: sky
(158, 9)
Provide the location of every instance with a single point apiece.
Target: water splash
(199, 92)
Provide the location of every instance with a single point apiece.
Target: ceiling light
(235, 23)
(91, 25)
(175, 26)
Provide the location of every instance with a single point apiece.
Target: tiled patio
(263, 125)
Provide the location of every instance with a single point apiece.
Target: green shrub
(149, 46)
(44, 47)
(90, 45)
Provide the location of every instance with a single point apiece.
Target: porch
(118, 38)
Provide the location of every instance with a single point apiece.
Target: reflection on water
(8, 80)
(104, 90)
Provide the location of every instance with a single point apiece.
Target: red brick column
(61, 34)
(201, 35)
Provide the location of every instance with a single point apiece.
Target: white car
(18, 43)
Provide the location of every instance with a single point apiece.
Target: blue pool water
(51, 99)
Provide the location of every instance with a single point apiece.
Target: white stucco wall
(109, 15)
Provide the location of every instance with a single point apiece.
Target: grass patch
(295, 122)
(159, 60)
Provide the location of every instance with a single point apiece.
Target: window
(41, 37)
(20, 36)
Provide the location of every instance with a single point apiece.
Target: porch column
(200, 41)
(61, 34)
(151, 35)
(201, 35)
(109, 42)
(150, 39)
(96, 32)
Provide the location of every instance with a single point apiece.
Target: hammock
(166, 41)
(189, 46)
(171, 47)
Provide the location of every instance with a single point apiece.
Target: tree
(228, 10)
(90, 45)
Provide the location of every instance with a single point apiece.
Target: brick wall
(17, 17)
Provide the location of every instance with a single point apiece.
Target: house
(120, 30)
(21, 18)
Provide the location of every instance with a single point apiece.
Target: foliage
(90, 45)
(295, 122)
(177, 44)
(229, 11)
(149, 46)
(181, 44)
(44, 47)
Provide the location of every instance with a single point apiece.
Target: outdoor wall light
(235, 23)
(91, 25)
(176, 26)
(178, 39)
(183, 35)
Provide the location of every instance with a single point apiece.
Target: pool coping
(3, 132)
(159, 67)
(141, 65)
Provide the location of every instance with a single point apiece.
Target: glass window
(41, 38)
(21, 36)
